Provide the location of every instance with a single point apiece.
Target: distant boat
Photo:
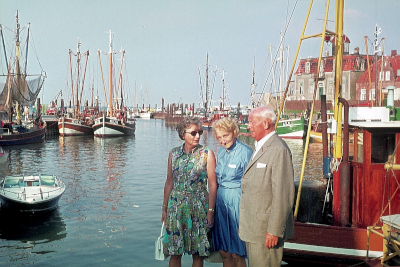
(78, 123)
(33, 193)
(18, 92)
(145, 114)
(115, 122)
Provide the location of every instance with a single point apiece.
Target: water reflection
(35, 234)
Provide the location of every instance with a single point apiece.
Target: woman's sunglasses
(194, 133)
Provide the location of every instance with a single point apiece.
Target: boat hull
(146, 115)
(29, 137)
(112, 127)
(69, 127)
(289, 129)
(19, 206)
(292, 128)
(318, 242)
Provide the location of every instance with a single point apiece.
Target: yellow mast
(337, 153)
(324, 31)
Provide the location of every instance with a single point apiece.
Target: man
(266, 215)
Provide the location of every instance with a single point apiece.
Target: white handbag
(158, 253)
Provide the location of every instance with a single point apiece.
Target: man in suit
(266, 208)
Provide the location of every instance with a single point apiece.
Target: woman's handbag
(158, 253)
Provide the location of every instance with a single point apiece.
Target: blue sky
(166, 41)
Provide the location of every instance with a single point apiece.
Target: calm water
(110, 212)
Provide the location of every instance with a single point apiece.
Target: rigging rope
(276, 55)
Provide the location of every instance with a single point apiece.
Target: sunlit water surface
(110, 212)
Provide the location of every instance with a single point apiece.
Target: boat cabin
(29, 181)
(375, 190)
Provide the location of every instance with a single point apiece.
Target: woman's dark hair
(186, 123)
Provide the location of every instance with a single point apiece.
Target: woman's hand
(164, 214)
(210, 218)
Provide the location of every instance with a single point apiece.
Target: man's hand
(270, 241)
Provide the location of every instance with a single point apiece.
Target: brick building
(354, 66)
(385, 72)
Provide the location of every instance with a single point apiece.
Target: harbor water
(110, 212)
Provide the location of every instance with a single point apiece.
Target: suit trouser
(259, 256)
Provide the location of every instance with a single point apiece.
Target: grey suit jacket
(268, 193)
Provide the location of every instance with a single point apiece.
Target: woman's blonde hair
(226, 124)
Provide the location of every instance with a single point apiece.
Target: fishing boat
(293, 127)
(77, 123)
(115, 122)
(18, 91)
(34, 193)
(350, 218)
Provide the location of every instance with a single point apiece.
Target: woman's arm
(212, 186)
(169, 183)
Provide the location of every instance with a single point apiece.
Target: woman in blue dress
(232, 160)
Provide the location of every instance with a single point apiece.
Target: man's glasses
(194, 133)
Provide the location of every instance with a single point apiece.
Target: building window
(387, 78)
(307, 67)
(311, 87)
(321, 69)
(362, 66)
(330, 88)
(363, 95)
(301, 87)
(373, 94)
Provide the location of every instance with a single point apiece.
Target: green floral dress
(186, 223)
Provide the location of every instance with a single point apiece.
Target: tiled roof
(394, 64)
(348, 64)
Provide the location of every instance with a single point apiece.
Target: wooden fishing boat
(115, 122)
(34, 193)
(18, 92)
(295, 128)
(342, 221)
(77, 123)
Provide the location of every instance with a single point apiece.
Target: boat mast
(223, 91)
(337, 152)
(206, 102)
(78, 56)
(253, 85)
(281, 68)
(111, 75)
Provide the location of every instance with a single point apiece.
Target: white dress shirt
(260, 143)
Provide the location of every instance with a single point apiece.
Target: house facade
(386, 72)
(354, 66)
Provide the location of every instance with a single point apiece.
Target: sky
(166, 41)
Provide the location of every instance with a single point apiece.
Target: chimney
(356, 50)
(394, 53)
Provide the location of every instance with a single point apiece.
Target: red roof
(348, 64)
(394, 64)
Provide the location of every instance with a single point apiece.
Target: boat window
(359, 138)
(382, 146)
(47, 180)
(11, 182)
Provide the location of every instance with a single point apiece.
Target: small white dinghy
(33, 193)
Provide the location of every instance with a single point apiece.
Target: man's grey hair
(266, 113)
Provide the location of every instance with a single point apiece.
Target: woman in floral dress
(188, 206)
